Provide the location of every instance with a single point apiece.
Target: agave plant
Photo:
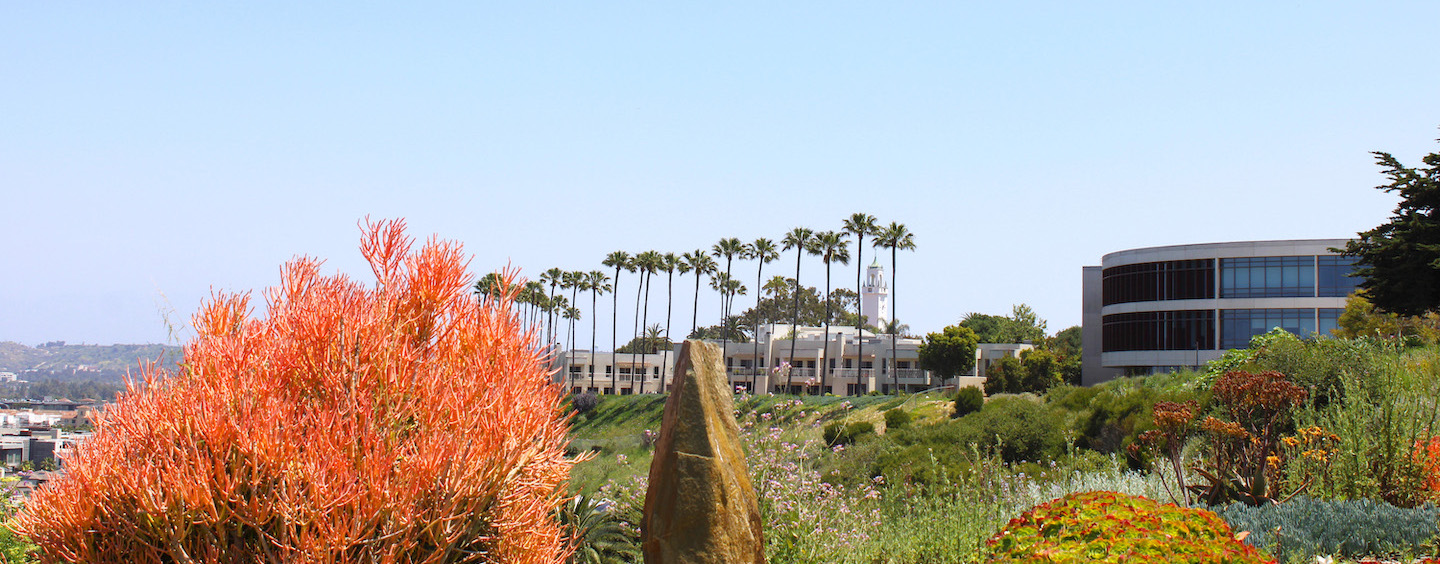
(598, 535)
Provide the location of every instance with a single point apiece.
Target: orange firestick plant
(399, 423)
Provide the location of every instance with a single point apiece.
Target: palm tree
(728, 288)
(763, 251)
(570, 313)
(555, 308)
(896, 327)
(700, 263)
(534, 296)
(553, 277)
(653, 335)
(798, 239)
(832, 247)
(896, 238)
(598, 283)
(668, 262)
(728, 248)
(647, 263)
(860, 225)
(489, 286)
(617, 260)
(571, 281)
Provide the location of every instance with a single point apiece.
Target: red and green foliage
(399, 423)
(1244, 460)
(1174, 422)
(1427, 457)
(1113, 527)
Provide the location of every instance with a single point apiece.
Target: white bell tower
(875, 296)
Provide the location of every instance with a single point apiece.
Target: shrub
(1350, 528)
(968, 400)
(585, 403)
(1382, 428)
(1244, 462)
(1019, 426)
(897, 418)
(1112, 527)
(839, 433)
(1111, 416)
(402, 421)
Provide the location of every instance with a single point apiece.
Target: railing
(911, 375)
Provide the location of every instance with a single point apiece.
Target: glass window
(1336, 276)
(1151, 281)
(1237, 326)
(1267, 277)
(1159, 331)
(1329, 319)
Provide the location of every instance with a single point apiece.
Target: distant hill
(59, 361)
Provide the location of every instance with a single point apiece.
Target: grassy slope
(614, 428)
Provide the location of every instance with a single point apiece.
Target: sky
(154, 152)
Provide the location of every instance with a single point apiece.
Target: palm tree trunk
(614, 328)
(644, 346)
(638, 291)
(594, 318)
(695, 310)
(825, 346)
(860, 310)
(550, 318)
(725, 322)
(794, 318)
(570, 332)
(894, 324)
(759, 298)
(669, 301)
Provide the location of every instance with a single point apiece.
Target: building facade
(1164, 308)
(753, 366)
(766, 364)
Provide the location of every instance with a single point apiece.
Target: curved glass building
(1163, 308)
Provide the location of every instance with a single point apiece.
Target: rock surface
(700, 507)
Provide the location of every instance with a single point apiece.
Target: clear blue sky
(150, 152)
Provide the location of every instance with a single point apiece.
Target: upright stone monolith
(700, 507)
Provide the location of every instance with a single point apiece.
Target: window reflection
(1335, 276)
(1151, 281)
(1237, 326)
(1267, 277)
(1159, 331)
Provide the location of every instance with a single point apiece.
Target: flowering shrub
(1112, 527)
(1244, 461)
(402, 422)
(1174, 422)
(806, 518)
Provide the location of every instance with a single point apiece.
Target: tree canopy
(949, 353)
(1023, 325)
(1400, 259)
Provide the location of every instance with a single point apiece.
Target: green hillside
(614, 430)
(59, 361)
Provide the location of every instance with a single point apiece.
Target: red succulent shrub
(1175, 423)
(396, 423)
(1244, 461)
(1114, 527)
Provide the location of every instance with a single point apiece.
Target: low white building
(848, 363)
